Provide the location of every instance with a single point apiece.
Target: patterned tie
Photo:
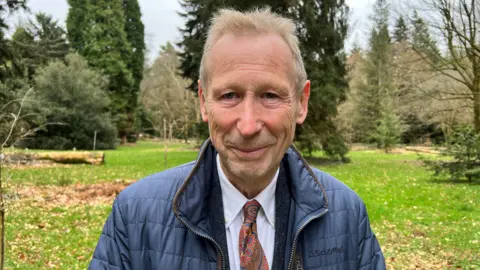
(252, 256)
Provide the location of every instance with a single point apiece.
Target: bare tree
(164, 95)
(456, 24)
(14, 133)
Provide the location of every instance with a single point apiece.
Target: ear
(303, 104)
(203, 108)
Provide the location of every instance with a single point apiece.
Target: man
(249, 201)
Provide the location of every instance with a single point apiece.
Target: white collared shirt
(233, 202)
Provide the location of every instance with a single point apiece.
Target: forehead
(251, 59)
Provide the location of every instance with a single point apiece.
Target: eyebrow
(242, 86)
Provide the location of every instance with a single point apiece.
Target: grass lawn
(55, 215)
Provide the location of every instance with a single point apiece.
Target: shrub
(462, 153)
(73, 99)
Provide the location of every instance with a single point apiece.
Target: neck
(248, 185)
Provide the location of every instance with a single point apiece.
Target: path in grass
(420, 224)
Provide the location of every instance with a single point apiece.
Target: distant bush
(463, 153)
(73, 100)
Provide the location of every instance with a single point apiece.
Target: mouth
(249, 153)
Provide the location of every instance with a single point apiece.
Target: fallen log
(76, 157)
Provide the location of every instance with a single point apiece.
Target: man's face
(251, 105)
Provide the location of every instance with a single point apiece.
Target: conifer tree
(135, 31)
(103, 42)
(401, 30)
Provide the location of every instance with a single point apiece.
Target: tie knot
(250, 211)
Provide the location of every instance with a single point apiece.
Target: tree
(389, 128)
(74, 96)
(457, 25)
(78, 24)
(105, 46)
(463, 152)
(422, 42)
(322, 29)
(377, 72)
(37, 42)
(401, 30)
(377, 117)
(6, 55)
(170, 108)
(135, 31)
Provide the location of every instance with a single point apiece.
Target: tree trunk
(164, 129)
(170, 131)
(476, 105)
(185, 114)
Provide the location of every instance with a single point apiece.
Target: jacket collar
(190, 203)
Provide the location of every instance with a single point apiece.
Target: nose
(249, 122)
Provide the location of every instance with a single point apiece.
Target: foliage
(401, 30)
(99, 31)
(375, 115)
(77, 24)
(322, 29)
(387, 133)
(135, 32)
(422, 41)
(37, 42)
(463, 153)
(73, 100)
(6, 55)
(436, 232)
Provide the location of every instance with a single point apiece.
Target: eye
(230, 96)
(269, 95)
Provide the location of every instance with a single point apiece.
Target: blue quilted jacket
(174, 220)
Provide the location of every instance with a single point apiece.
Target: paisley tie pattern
(252, 256)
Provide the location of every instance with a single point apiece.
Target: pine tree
(37, 42)
(387, 133)
(6, 51)
(135, 31)
(421, 40)
(105, 46)
(401, 30)
(378, 87)
(322, 31)
(78, 23)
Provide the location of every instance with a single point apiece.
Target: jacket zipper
(298, 233)
(208, 238)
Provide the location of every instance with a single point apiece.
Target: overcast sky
(162, 22)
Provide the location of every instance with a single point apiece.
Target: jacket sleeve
(370, 255)
(112, 249)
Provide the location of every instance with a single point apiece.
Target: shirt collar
(234, 200)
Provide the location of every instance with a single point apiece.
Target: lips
(249, 153)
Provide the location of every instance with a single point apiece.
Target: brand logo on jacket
(325, 252)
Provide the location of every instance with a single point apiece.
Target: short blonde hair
(257, 21)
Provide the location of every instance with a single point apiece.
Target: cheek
(281, 122)
(220, 122)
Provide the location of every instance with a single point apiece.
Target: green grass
(419, 223)
(437, 218)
